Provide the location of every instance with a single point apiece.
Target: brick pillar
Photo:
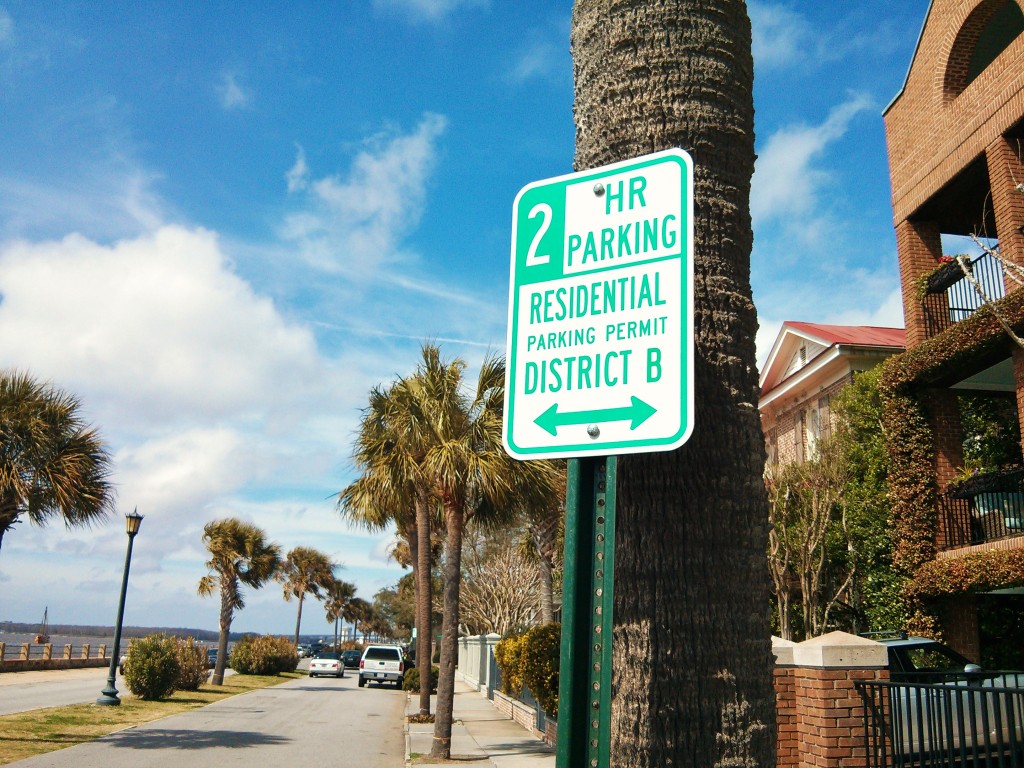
(787, 742)
(1005, 172)
(919, 245)
(829, 712)
(960, 627)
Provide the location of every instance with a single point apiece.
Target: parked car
(382, 664)
(351, 658)
(211, 658)
(326, 663)
(303, 650)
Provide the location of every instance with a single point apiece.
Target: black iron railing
(985, 508)
(966, 719)
(953, 298)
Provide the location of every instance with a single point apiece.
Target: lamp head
(132, 521)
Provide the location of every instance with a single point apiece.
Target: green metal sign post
(584, 693)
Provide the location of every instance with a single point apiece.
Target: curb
(405, 732)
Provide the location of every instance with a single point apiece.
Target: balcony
(949, 297)
(984, 508)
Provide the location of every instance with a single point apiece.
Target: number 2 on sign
(544, 211)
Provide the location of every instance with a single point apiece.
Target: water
(15, 639)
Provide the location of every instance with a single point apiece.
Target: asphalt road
(300, 724)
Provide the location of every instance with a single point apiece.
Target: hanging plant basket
(946, 275)
(1005, 481)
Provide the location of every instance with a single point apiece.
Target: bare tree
(500, 588)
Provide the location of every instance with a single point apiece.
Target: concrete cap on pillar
(840, 650)
(783, 650)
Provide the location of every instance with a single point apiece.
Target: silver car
(326, 663)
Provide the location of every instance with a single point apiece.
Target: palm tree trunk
(424, 608)
(692, 680)
(547, 600)
(543, 532)
(8, 517)
(442, 746)
(298, 618)
(226, 615)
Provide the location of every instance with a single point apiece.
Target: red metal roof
(863, 335)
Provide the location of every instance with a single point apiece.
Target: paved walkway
(482, 737)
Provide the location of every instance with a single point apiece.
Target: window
(988, 31)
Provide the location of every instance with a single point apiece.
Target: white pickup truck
(382, 664)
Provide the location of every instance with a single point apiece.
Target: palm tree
(305, 571)
(467, 469)
(544, 529)
(691, 523)
(355, 611)
(338, 594)
(392, 489)
(51, 463)
(239, 554)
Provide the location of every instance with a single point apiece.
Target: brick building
(808, 364)
(955, 133)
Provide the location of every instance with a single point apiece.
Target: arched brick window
(986, 33)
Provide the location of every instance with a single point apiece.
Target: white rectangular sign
(600, 332)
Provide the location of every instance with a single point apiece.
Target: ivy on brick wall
(911, 448)
(976, 572)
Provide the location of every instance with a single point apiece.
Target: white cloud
(106, 203)
(781, 35)
(429, 10)
(788, 181)
(6, 28)
(232, 94)
(297, 176)
(159, 327)
(541, 59)
(356, 224)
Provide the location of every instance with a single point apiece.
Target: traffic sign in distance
(600, 326)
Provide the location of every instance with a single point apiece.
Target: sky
(221, 224)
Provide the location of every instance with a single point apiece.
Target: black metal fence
(943, 720)
(986, 508)
(954, 299)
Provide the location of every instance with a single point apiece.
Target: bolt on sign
(600, 326)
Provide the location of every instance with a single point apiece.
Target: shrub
(508, 654)
(264, 655)
(151, 667)
(540, 658)
(191, 664)
(411, 681)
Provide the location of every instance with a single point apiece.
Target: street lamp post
(109, 697)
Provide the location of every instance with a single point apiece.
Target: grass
(39, 731)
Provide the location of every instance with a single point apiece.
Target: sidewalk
(482, 737)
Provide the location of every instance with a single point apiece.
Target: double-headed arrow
(637, 412)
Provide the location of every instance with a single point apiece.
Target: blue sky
(222, 223)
